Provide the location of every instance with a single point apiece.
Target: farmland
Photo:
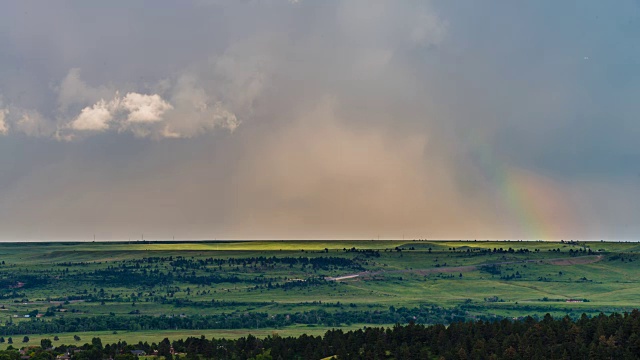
(141, 290)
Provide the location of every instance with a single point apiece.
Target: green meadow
(133, 337)
(295, 287)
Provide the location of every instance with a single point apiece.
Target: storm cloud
(319, 119)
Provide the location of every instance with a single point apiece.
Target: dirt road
(460, 269)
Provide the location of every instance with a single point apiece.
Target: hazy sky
(319, 119)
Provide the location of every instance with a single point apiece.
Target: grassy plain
(151, 336)
(75, 280)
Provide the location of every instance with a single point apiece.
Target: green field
(133, 337)
(288, 282)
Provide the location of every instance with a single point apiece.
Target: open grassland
(154, 336)
(289, 285)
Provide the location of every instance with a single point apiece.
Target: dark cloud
(304, 119)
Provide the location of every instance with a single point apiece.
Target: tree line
(237, 320)
(616, 336)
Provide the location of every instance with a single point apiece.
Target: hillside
(67, 288)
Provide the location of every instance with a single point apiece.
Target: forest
(600, 337)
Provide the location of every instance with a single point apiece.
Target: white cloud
(146, 115)
(197, 111)
(145, 108)
(137, 113)
(94, 118)
(3, 125)
(208, 94)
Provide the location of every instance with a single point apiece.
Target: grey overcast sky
(281, 119)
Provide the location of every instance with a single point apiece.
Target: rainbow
(534, 206)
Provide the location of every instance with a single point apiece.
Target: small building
(138, 352)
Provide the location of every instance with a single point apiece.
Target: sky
(300, 119)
